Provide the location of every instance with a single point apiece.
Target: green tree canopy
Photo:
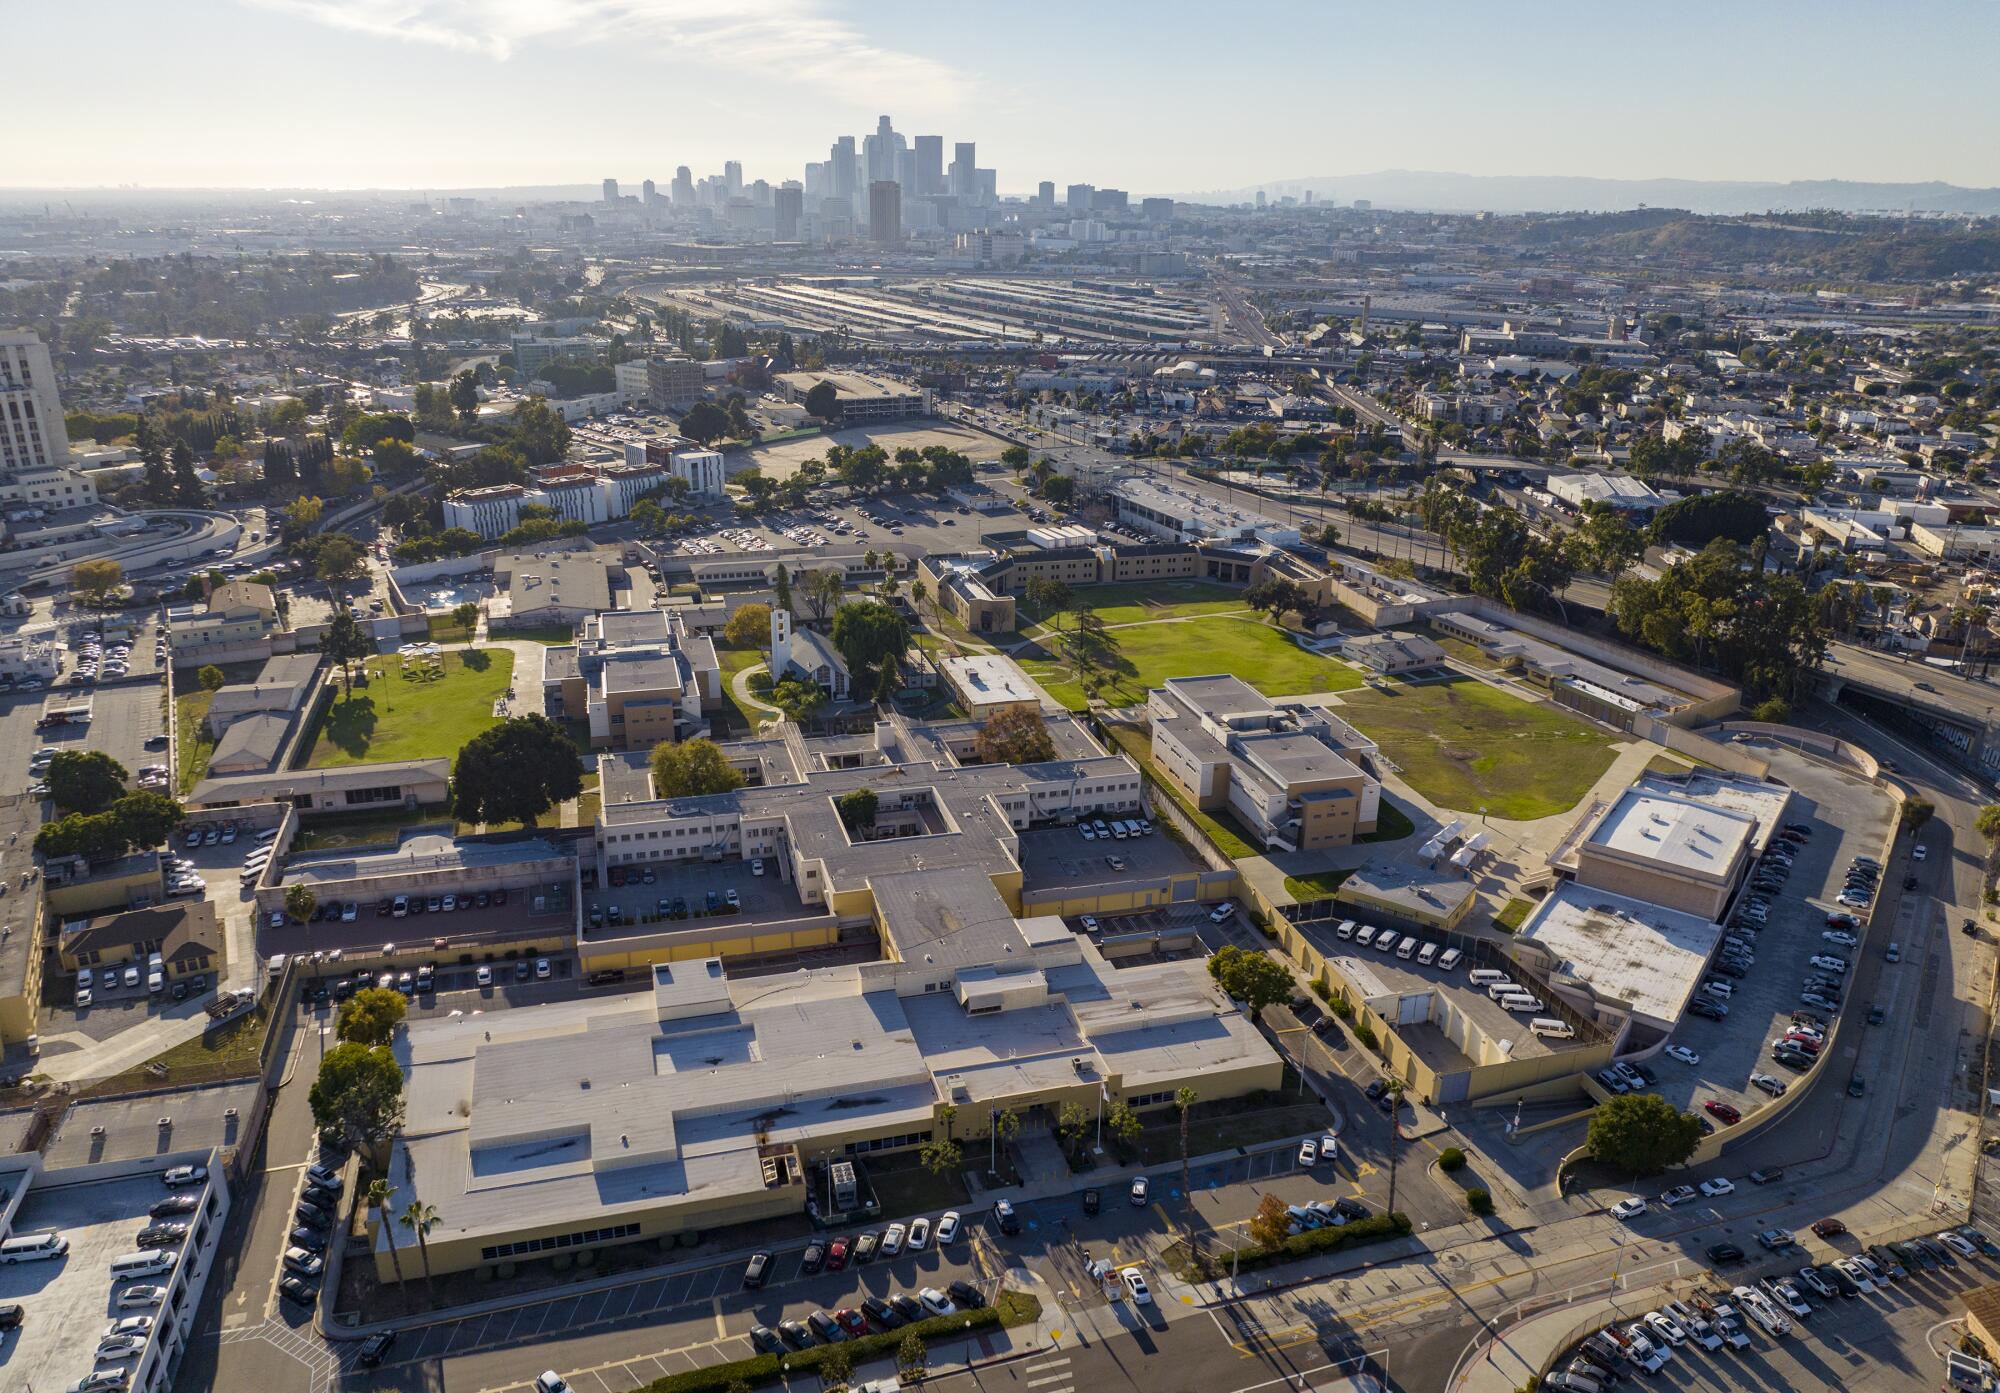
(799, 699)
(1641, 1133)
(211, 678)
(346, 642)
(371, 1015)
(337, 558)
(358, 1095)
(1696, 521)
(869, 633)
(94, 581)
(690, 768)
(857, 808)
(1017, 735)
(85, 781)
(515, 771)
(748, 627)
(1256, 979)
(822, 401)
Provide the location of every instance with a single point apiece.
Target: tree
(941, 1156)
(370, 1016)
(705, 422)
(464, 396)
(1124, 1122)
(1278, 597)
(337, 559)
(93, 836)
(1270, 1225)
(540, 431)
(1916, 812)
(515, 771)
(857, 809)
(1072, 1125)
(358, 1096)
(888, 681)
(300, 902)
(1184, 1103)
(836, 1366)
(1049, 597)
(211, 678)
(798, 698)
(465, 616)
(1256, 979)
(346, 642)
(376, 1197)
(691, 768)
(912, 1357)
(1641, 1133)
(420, 1218)
(822, 590)
(302, 515)
(823, 402)
(748, 627)
(1695, 521)
(1772, 711)
(781, 588)
(85, 781)
(93, 581)
(1017, 735)
(1988, 822)
(187, 489)
(869, 633)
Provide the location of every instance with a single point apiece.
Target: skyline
(412, 96)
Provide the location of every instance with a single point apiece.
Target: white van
(1506, 986)
(1345, 929)
(1364, 935)
(1427, 953)
(1552, 1028)
(34, 1247)
(1449, 959)
(1521, 1003)
(1384, 941)
(1407, 949)
(276, 966)
(268, 835)
(132, 1265)
(1483, 976)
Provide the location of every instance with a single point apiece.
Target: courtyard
(414, 709)
(1135, 657)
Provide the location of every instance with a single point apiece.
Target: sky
(1164, 96)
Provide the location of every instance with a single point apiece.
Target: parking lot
(651, 891)
(1887, 1339)
(1060, 857)
(1848, 817)
(126, 723)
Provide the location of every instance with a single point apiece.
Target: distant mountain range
(1426, 190)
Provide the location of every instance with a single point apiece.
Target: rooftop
(1626, 951)
(1678, 833)
(197, 1119)
(417, 851)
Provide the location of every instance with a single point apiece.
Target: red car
(852, 1321)
(1717, 1108)
(837, 1253)
(1828, 1228)
(1804, 1042)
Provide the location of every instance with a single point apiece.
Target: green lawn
(1512, 914)
(1466, 746)
(403, 717)
(548, 634)
(191, 736)
(1139, 658)
(1160, 599)
(442, 630)
(1320, 885)
(366, 829)
(1392, 824)
(734, 718)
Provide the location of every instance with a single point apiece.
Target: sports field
(1464, 745)
(400, 715)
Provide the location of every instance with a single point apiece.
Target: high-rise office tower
(649, 193)
(885, 212)
(929, 151)
(33, 434)
(610, 190)
(732, 176)
(760, 193)
(1078, 198)
(882, 151)
(683, 187)
(843, 158)
(1261, 199)
(1045, 193)
(964, 170)
(986, 187)
(906, 172)
(788, 201)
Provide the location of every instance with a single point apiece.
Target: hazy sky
(1164, 96)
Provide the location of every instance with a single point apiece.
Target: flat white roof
(1676, 833)
(1625, 950)
(990, 679)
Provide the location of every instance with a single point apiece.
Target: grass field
(1466, 746)
(399, 717)
(1160, 599)
(367, 829)
(1317, 886)
(191, 737)
(1512, 915)
(1145, 656)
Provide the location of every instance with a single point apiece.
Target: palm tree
(1184, 1099)
(377, 1199)
(1394, 1088)
(420, 1218)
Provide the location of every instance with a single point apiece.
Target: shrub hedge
(1451, 1159)
(1014, 1308)
(1375, 1229)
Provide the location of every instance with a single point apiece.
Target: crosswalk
(320, 1364)
(1049, 1376)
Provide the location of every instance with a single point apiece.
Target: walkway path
(739, 687)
